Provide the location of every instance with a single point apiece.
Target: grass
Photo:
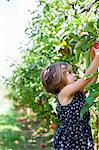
(18, 132)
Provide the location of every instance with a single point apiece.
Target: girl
(59, 79)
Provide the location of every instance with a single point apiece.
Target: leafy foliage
(57, 25)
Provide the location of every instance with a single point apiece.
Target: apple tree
(60, 30)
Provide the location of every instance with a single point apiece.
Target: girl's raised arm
(72, 88)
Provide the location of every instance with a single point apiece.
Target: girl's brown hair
(53, 77)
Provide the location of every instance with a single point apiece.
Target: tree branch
(88, 7)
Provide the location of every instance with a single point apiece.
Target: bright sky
(14, 18)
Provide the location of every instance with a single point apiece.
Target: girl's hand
(94, 52)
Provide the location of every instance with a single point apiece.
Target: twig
(88, 7)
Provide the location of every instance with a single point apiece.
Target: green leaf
(87, 57)
(90, 76)
(84, 47)
(83, 110)
(78, 45)
(77, 54)
(70, 49)
(91, 25)
(89, 101)
(94, 94)
(93, 86)
(72, 42)
(47, 107)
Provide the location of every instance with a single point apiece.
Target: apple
(40, 101)
(52, 126)
(96, 45)
(42, 146)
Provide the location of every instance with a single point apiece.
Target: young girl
(59, 79)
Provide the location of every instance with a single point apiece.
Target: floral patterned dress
(73, 133)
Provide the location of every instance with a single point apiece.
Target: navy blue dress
(73, 133)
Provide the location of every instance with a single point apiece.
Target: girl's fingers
(95, 49)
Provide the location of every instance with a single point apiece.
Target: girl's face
(71, 77)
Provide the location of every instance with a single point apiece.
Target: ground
(19, 131)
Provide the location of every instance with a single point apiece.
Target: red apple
(96, 45)
(42, 146)
(52, 126)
